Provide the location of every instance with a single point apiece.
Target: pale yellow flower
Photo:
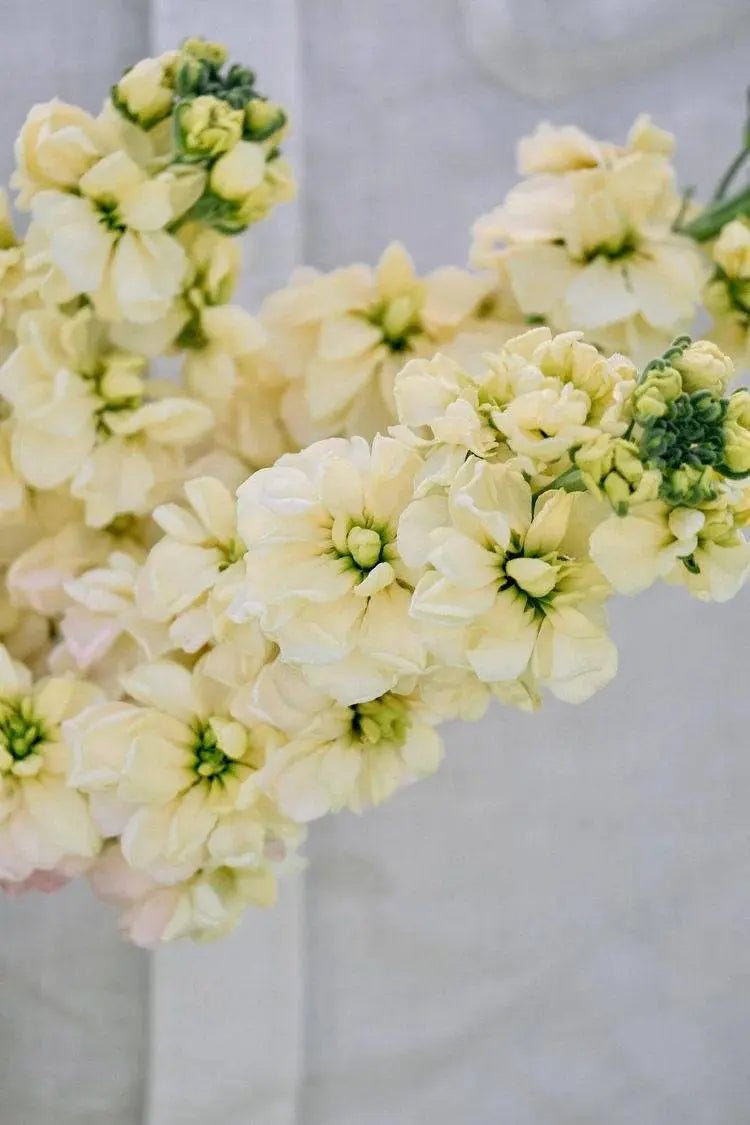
(342, 337)
(102, 633)
(182, 769)
(339, 756)
(200, 548)
(43, 820)
(587, 240)
(509, 581)
(699, 548)
(536, 399)
(145, 92)
(204, 905)
(57, 145)
(727, 294)
(323, 575)
(81, 415)
(109, 241)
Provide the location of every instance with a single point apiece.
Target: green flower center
(109, 215)
(382, 720)
(361, 543)
(231, 553)
(210, 759)
(398, 321)
(622, 247)
(534, 577)
(21, 731)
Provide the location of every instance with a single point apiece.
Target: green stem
(723, 184)
(708, 224)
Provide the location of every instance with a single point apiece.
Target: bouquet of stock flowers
(244, 591)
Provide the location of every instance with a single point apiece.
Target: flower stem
(710, 221)
(723, 185)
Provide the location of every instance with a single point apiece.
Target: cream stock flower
(102, 632)
(339, 756)
(537, 399)
(587, 240)
(145, 92)
(81, 415)
(110, 242)
(727, 294)
(204, 905)
(57, 145)
(341, 337)
(249, 422)
(43, 821)
(510, 585)
(323, 573)
(183, 771)
(200, 548)
(701, 549)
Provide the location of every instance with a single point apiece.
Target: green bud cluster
(214, 112)
(200, 74)
(689, 432)
(612, 468)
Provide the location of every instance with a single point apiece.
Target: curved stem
(723, 184)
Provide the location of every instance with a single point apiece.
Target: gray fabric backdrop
(553, 930)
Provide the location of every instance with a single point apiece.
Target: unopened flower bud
(652, 397)
(206, 127)
(123, 378)
(704, 366)
(205, 50)
(737, 434)
(145, 93)
(594, 460)
(689, 485)
(364, 545)
(238, 172)
(192, 77)
(264, 120)
(399, 315)
(239, 75)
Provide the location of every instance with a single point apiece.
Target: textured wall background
(553, 931)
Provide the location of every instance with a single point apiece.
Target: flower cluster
(587, 239)
(247, 595)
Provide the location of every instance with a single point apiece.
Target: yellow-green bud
(239, 172)
(364, 545)
(207, 127)
(704, 366)
(205, 50)
(652, 397)
(737, 434)
(399, 316)
(594, 460)
(612, 466)
(264, 120)
(145, 93)
(689, 485)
